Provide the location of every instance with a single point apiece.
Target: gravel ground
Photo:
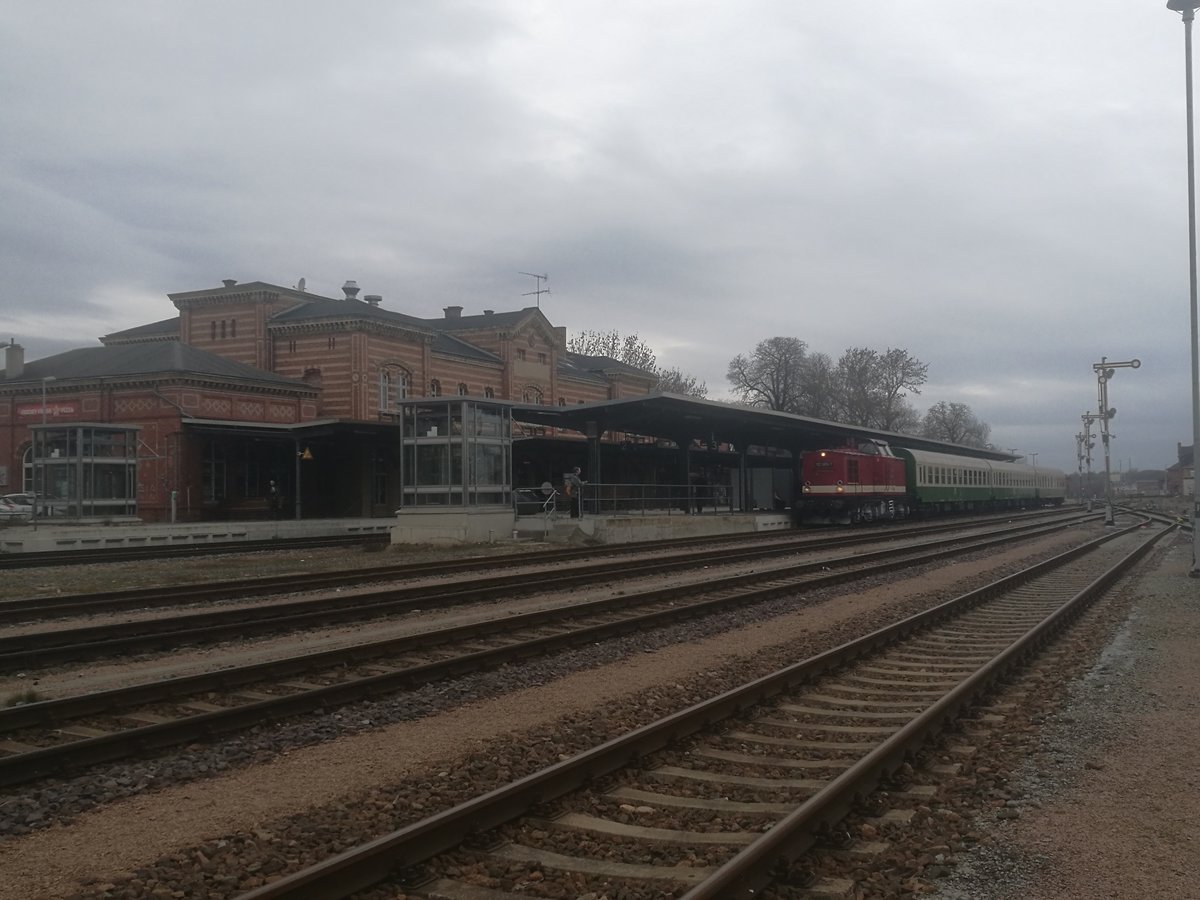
(220, 819)
(1110, 785)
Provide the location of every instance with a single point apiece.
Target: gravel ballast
(229, 832)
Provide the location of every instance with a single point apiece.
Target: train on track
(879, 482)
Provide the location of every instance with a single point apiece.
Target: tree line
(864, 387)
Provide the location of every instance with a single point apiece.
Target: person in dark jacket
(573, 488)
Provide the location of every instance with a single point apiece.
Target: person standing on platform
(573, 488)
(273, 499)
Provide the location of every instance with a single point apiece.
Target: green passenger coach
(941, 482)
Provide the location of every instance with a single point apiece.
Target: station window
(462, 389)
(489, 392)
(435, 388)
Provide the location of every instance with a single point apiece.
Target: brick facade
(292, 357)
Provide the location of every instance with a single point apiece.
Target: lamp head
(1183, 5)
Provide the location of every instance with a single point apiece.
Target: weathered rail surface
(820, 719)
(57, 736)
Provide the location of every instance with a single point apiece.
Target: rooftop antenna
(540, 290)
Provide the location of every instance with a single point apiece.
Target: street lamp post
(1105, 370)
(39, 487)
(1188, 9)
(1033, 458)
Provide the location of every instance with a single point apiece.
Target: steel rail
(57, 759)
(364, 866)
(60, 605)
(744, 876)
(64, 645)
(90, 555)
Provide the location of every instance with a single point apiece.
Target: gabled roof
(322, 308)
(607, 364)
(152, 358)
(244, 288)
(167, 329)
(449, 345)
(471, 323)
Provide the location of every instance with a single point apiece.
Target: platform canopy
(683, 419)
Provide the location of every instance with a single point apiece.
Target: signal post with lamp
(1105, 370)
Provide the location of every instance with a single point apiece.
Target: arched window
(532, 394)
(394, 384)
(489, 392)
(562, 401)
(435, 388)
(462, 389)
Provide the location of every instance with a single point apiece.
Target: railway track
(56, 646)
(56, 606)
(725, 798)
(58, 736)
(90, 556)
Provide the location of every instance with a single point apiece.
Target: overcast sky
(998, 188)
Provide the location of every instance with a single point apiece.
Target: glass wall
(85, 470)
(456, 453)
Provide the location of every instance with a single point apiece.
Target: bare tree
(855, 379)
(673, 381)
(772, 376)
(898, 373)
(872, 388)
(633, 351)
(955, 423)
(630, 349)
(819, 388)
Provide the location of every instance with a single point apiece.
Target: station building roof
(683, 419)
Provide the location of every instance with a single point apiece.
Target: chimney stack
(373, 299)
(453, 312)
(14, 360)
(350, 289)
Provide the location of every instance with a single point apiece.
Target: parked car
(15, 506)
(26, 501)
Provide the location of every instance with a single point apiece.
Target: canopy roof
(683, 419)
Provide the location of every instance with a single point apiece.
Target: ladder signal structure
(540, 290)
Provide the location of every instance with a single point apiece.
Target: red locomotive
(850, 486)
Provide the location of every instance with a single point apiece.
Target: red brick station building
(349, 408)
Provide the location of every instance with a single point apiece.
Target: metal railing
(656, 499)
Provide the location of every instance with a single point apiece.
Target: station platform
(444, 530)
(47, 536)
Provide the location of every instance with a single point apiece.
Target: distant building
(249, 378)
(1181, 477)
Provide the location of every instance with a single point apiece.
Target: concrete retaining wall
(421, 526)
